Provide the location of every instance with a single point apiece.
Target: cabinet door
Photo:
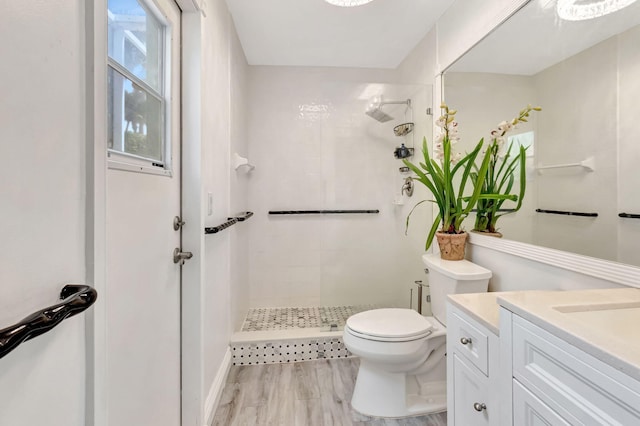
(470, 395)
(528, 410)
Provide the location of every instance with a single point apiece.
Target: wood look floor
(314, 393)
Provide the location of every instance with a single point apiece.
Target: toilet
(402, 353)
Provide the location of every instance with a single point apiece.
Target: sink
(619, 320)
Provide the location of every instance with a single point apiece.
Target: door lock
(181, 256)
(177, 223)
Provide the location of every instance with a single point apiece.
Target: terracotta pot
(451, 245)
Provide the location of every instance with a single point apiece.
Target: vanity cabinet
(556, 383)
(472, 366)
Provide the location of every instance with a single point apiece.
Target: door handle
(181, 256)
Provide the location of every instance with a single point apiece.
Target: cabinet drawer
(529, 410)
(470, 393)
(470, 342)
(579, 387)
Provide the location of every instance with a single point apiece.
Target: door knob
(181, 256)
(479, 407)
(465, 340)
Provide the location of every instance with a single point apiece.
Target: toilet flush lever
(465, 340)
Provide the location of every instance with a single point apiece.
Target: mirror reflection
(584, 152)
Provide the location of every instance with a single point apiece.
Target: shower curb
(275, 351)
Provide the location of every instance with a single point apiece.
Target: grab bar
(567, 213)
(629, 215)
(291, 212)
(230, 221)
(587, 164)
(75, 298)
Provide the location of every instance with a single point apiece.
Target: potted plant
(440, 175)
(499, 177)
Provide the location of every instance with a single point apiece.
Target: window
(525, 139)
(137, 101)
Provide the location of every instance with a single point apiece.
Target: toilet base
(394, 395)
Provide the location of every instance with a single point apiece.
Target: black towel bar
(76, 299)
(230, 221)
(629, 215)
(293, 212)
(567, 213)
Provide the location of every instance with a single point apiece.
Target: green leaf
(432, 233)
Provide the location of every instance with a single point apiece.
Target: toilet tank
(452, 277)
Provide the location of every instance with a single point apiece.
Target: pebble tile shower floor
(299, 349)
(262, 319)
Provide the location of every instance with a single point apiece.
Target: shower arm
(407, 102)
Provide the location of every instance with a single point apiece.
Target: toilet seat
(389, 325)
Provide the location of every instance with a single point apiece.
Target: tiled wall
(314, 148)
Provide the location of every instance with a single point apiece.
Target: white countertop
(604, 323)
(481, 306)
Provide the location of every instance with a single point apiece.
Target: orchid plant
(497, 181)
(438, 175)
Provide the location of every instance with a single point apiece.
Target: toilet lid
(390, 323)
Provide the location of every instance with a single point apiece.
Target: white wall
(239, 182)
(225, 289)
(314, 148)
(42, 217)
(516, 273)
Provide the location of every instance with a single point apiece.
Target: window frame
(119, 160)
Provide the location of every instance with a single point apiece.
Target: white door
(143, 197)
(42, 206)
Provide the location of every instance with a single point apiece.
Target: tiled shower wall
(314, 148)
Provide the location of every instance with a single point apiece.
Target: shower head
(374, 109)
(378, 114)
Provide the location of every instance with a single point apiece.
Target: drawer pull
(479, 407)
(465, 340)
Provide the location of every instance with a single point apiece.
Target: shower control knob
(479, 406)
(465, 340)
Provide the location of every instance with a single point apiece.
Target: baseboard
(215, 392)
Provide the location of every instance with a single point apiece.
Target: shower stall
(327, 239)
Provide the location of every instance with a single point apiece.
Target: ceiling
(314, 33)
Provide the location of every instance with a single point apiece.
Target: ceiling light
(348, 3)
(578, 10)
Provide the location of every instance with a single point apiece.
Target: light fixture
(348, 3)
(579, 10)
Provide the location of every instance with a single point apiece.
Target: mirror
(585, 143)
